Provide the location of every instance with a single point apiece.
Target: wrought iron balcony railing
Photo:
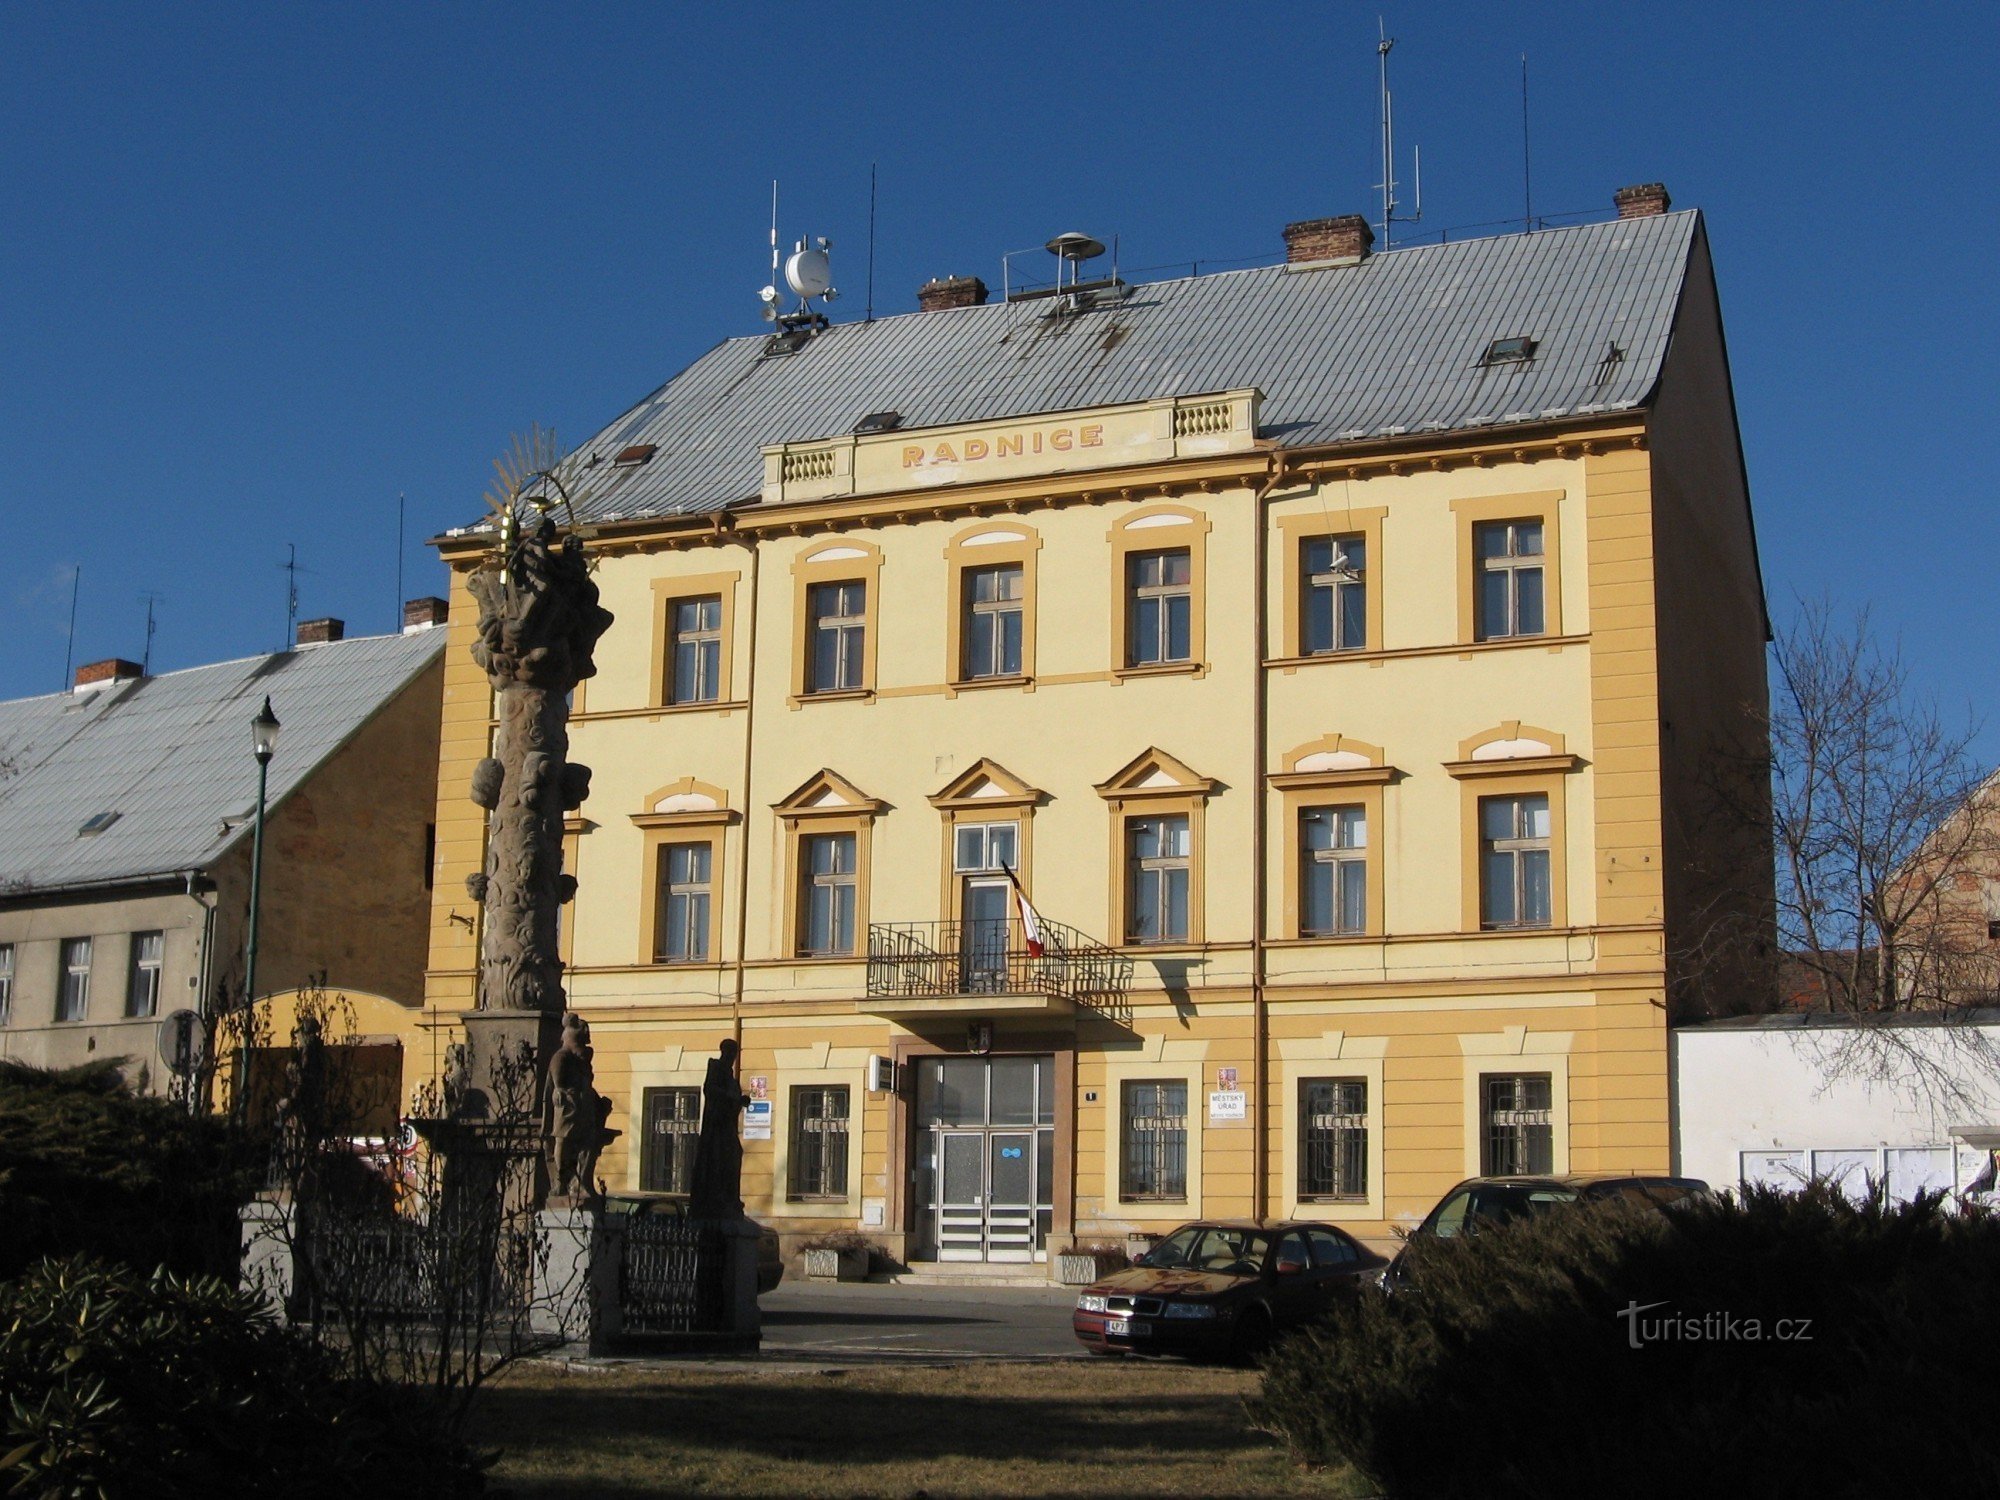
(991, 957)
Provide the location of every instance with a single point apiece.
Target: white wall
(1773, 1102)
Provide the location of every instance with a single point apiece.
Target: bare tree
(1884, 830)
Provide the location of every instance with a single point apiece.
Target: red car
(1223, 1289)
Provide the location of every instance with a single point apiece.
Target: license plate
(1126, 1328)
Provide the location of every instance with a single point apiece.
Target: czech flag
(1031, 925)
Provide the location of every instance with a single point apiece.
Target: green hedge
(1508, 1366)
(87, 1168)
(120, 1384)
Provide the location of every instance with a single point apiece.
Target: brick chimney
(1643, 200)
(952, 291)
(426, 613)
(1347, 237)
(101, 673)
(320, 632)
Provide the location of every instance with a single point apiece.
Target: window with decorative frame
(1158, 806)
(1159, 869)
(1153, 1141)
(990, 635)
(1333, 1140)
(693, 617)
(685, 897)
(1333, 878)
(816, 1165)
(829, 894)
(828, 824)
(1514, 861)
(1158, 591)
(1333, 796)
(1334, 611)
(1510, 572)
(1517, 1135)
(672, 1122)
(837, 596)
(1515, 843)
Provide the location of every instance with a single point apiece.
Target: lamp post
(264, 743)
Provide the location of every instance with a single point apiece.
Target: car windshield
(1233, 1252)
(1495, 1203)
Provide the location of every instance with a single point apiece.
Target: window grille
(1333, 1139)
(1153, 1142)
(818, 1167)
(673, 1126)
(1519, 1134)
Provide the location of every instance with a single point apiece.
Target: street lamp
(264, 744)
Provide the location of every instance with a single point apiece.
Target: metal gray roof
(170, 755)
(1386, 347)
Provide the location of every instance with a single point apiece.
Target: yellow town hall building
(1333, 652)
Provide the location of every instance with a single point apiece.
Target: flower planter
(1076, 1270)
(836, 1265)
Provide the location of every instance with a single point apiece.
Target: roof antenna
(770, 295)
(1390, 218)
(869, 317)
(398, 617)
(291, 567)
(1527, 160)
(146, 656)
(69, 650)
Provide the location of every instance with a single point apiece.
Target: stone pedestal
(576, 1292)
(266, 1267)
(744, 1319)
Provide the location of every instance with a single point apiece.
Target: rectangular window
(6, 982)
(1514, 861)
(1159, 608)
(1333, 1139)
(673, 1125)
(694, 656)
(1158, 865)
(142, 990)
(837, 636)
(1333, 880)
(1508, 588)
(982, 848)
(1152, 1142)
(992, 623)
(828, 898)
(1334, 574)
(683, 922)
(1516, 1134)
(73, 996)
(818, 1166)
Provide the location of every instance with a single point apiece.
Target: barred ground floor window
(1153, 1142)
(818, 1160)
(1517, 1134)
(666, 1150)
(1333, 1140)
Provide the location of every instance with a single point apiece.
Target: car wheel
(1253, 1335)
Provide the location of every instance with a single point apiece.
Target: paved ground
(845, 1320)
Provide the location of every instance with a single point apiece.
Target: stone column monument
(539, 621)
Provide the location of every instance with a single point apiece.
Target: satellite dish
(769, 297)
(809, 272)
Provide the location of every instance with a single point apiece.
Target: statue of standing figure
(716, 1191)
(574, 1115)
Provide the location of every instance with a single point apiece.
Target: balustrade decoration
(991, 957)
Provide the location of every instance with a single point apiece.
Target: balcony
(914, 965)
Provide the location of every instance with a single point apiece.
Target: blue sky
(266, 267)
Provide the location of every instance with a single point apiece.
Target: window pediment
(685, 801)
(985, 783)
(1511, 748)
(1334, 760)
(828, 793)
(1155, 773)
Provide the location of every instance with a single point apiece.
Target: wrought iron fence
(991, 957)
(406, 1268)
(670, 1275)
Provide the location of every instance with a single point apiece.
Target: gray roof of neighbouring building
(170, 755)
(1388, 347)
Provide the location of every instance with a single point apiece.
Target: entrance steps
(970, 1273)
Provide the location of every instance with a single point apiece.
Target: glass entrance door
(983, 1177)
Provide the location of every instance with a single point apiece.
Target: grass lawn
(1063, 1428)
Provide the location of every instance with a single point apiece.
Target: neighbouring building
(1911, 1102)
(126, 821)
(1338, 654)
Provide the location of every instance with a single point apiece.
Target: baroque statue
(716, 1191)
(574, 1115)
